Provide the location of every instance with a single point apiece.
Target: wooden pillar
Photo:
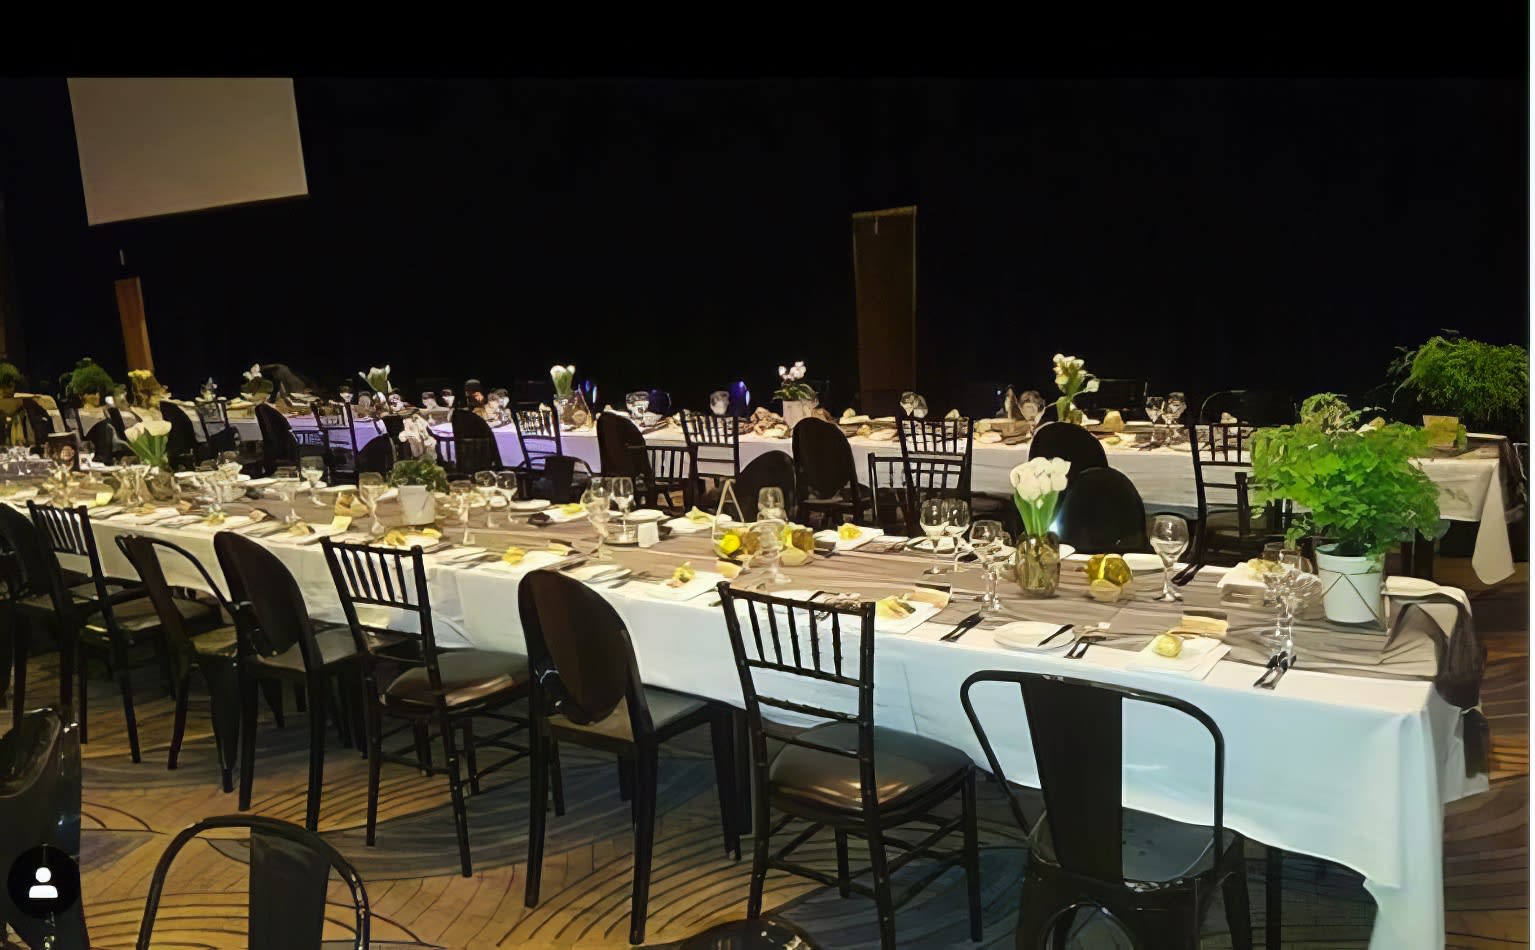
(885, 295)
(130, 308)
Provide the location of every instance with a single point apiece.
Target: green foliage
(89, 379)
(10, 378)
(1485, 385)
(1358, 488)
(419, 472)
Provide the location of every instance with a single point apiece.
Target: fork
(640, 576)
(1080, 647)
(1286, 661)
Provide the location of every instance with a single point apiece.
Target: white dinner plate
(528, 504)
(1027, 635)
(643, 515)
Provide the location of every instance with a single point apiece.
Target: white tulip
(1092, 385)
(158, 427)
(1058, 359)
(1057, 482)
(134, 432)
(1060, 380)
(783, 371)
(1017, 473)
(1059, 466)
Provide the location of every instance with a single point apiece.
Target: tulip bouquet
(377, 378)
(562, 377)
(1072, 380)
(1037, 484)
(792, 386)
(148, 441)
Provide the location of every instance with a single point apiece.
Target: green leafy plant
(10, 379)
(89, 379)
(1357, 487)
(1485, 385)
(419, 472)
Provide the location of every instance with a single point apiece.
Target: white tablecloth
(1350, 769)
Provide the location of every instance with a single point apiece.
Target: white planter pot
(1350, 587)
(796, 409)
(410, 505)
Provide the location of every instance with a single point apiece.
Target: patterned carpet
(419, 900)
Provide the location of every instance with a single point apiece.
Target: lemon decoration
(1109, 567)
(794, 557)
(1105, 592)
(698, 516)
(893, 608)
(728, 570)
(683, 573)
(394, 539)
(849, 532)
(1165, 644)
(432, 533)
(214, 517)
(572, 508)
(730, 543)
(301, 528)
(514, 555)
(559, 548)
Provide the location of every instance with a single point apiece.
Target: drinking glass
(934, 518)
(1172, 411)
(719, 402)
(312, 467)
(485, 485)
(447, 398)
(1030, 406)
(346, 396)
(637, 402)
(1274, 572)
(1169, 538)
(506, 484)
(286, 485)
(596, 500)
(987, 539)
(919, 410)
(1154, 406)
(1293, 589)
(87, 452)
(428, 400)
(769, 548)
(462, 491)
(770, 504)
(908, 401)
(957, 511)
(370, 485)
(622, 490)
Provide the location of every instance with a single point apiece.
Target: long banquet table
(1354, 767)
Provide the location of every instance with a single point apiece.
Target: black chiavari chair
(775, 469)
(447, 689)
(538, 436)
(937, 440)
(279, 446)
(659, 471)
(338, 437)
(826, 475)
(714, 441)
(844, 773)
(40, 423)
(1227, 525)
(887, 494)
(474, 444)
(40, 805)
(181, 443)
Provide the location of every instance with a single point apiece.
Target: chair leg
(1273, 897)
(761, 822)
(721, 735)
(224, 693)
(21, 648)
(80, 671)
(972, 856)
(469, 756)
(300, 698)
(125, 686)
(247, 737)
(423, 746)
(68, 658)
(644, 840)
(538, 803)
(556, 779)
(880, 872)
(842, 864)
(1238, 916)
(272, 689)
(316, 752)
(335, 698)
(179, 726)
(625, 779)
(375, 756)
(456, 790)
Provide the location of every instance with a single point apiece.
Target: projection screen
(152, 147)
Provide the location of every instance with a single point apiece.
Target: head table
(1352, 758)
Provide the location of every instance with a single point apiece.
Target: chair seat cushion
(137, 617)
(1154, 849)
(78, 595)
(335, 643)
(666, 707)
(220, 641)
(468, 676)
(907, 767)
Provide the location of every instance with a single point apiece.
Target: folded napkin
(559, 517)
(1199, 656)
(229, 522)
(288, 539)
(530, 561)
(144, 519)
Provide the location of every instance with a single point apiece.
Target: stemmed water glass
(622, 490)
(1169, 538)
(934, 518)
(1172, 411)
(638, 402)
(1154, 406)
(370, 485)
(596, 500)
(485, 484)
(1294, 584)
(462, 492)
(958, 511)
(312, 468)
(770, 504)
(87, 453)
(506, 484)
(1273, 575)
(285, 483)
(987, 539)
(1030, 406)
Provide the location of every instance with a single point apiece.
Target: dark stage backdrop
(683, 233)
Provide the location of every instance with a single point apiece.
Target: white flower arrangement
(148, 442)
(792, 387)
(1072, 380)
(255, 385)
(1037, 484)
(377, 378)
(562, 377)
(417, 435)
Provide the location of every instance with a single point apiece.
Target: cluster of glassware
(914, 405)
(218, 481)
(1166, 410)
(944, 518)
(1288, 588)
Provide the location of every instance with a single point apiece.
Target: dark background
(682, 233)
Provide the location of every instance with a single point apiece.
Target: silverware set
(961, 628)
(1278, 665)
(1082, 643)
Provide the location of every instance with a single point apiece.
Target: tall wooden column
(130, 308)
(885, 295)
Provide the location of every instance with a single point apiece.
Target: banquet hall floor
(418, 898)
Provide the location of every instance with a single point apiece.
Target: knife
(961, 627)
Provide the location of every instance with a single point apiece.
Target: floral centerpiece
(1073, 381)
(416, 482)
(88, 382)
(799, 397)
(569, 402)
(1037, 484)
(143, 389)
(1466, 381)
(417, 436)
(1358, 492)
(377, 378)
(256, 387)
(10, 380)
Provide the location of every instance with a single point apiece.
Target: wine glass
(1273, 572)
(621, 488)
(370, 485)
(933, 516)
(769, 548)
(1169, 538)
(285, 483)
(637, 402)
(485, 485)
(87, 452)
(506, 484)
(987, 539)
(770, 504)
(447, 397)
(719, 402)
(958, 514)
(1030, 407)
(596, 500)
(919, 411)
(1154, 406)
(312, 467)
(908, 401)
(462, 492)
(1172, 411)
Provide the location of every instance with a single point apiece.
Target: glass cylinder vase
(1037, 565)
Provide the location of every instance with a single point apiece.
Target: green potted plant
(10, 380)
(1481, 385)
(255, 387)
(798, 397)
(1357, 491)
(88, 382)
(417, 481)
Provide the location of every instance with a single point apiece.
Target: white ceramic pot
(796, 409)
(1350, 586)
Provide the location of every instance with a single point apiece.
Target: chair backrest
(620, 446)
(105, 443)
(278, 445)
(115, 416)
(887, 489)
(212, 415)
(1101, 512)
(1070, 442)
(1120, 395)
(474, 445)
(390, 579)
(823, 461)
(40, 805)
(805, 642)
(949, 442)
(1082, 779)
(712, 439)
(770, 468)
(181, 444)
(564, 478)
(338, 435)
(269, 609)
(144, 554)
(290, 870)
(538, 434)
(378, 455)
(68, 531)
(33, 569)
(1255, 407)
(39, 421)
(579, 652)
